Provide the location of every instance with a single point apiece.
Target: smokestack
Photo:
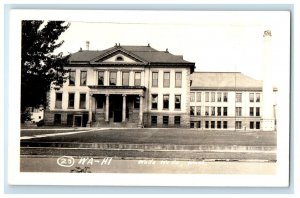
(87, 45)
(268, 120)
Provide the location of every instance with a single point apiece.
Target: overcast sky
(215, 41)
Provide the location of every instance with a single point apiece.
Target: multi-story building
(130, 86)
(227, 101)
(138, 86)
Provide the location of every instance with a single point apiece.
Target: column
(124, 108)
(141, 112)
(107, 108)
(89, 124)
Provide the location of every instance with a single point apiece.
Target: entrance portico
(110, 105)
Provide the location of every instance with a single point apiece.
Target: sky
(215, 41)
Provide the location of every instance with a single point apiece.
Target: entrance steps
(115, 125)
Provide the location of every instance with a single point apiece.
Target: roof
(143, 53)
(224, 80)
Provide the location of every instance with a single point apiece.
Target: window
(177, 101)
(219, 111)
(178, 79)
(192, 111)
(225, 111)
(100, 77)
(57, 119)
(257, 111)
(212, 124)
(136, 102)
(82, 101)
(166, 79)
(165, 120)
(213, 111)
(99, 101)
(153, 120)
(251, 111)
(251, 97)
(198, 124)
(251, 125)
(119, 58)
(192, 125)
(257, 125)
(72, 78)
(238, 111)
(177, 120)
(198, 96)
(238, 97)
(83, 77)
(154, 101)
(166, 101)
(58, 101)
(206, 124)
(207, 111)
(198, 110)
(125, 78)
(213, 96)
(71, 101)
(219, 124)
(154, 79)
(225, 123)
(192, 96)
(113, 78)
(238, 124)
(225, 97)
(206, 96)
(257, 97)
(137, 79)
(219, 97)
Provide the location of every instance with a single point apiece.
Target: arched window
(119, 58)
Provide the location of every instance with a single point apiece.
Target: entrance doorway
(115, 104)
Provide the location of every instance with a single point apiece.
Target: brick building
(128, 86)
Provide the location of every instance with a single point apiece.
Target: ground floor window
(212, 124)
(192, 125)
(57, 119)
(153, 120)
(257, 125)
(238, 124)
(251, 125)
(199, 124)
(165, 120)
(225, 124)
(219, 124)
(177, 120)
(206, 124)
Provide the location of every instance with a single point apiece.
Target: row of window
(165, 123)
(125, 78)
(166, 101)
(219, 111)
(224, 124)
(71, 100)
(221, 97)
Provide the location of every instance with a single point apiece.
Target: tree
(40, 67)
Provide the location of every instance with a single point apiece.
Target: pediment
(119, 56)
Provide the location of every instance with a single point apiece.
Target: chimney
(268, 120)
(87, 45)
(167, 51)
